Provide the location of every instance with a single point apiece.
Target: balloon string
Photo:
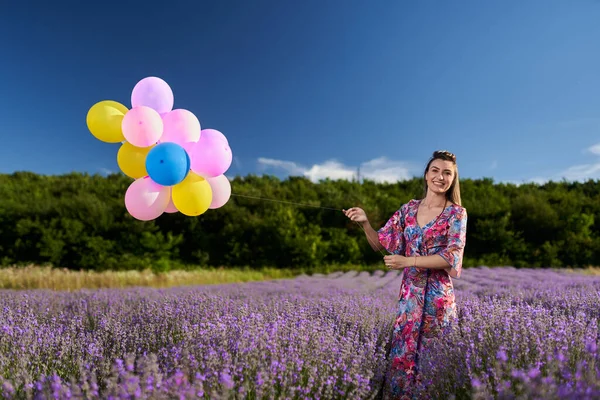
(369, 239)
(286, 202)
(309, 205)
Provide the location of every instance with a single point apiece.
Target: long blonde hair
(453, 193)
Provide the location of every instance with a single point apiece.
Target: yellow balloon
(132, 160)
(192, 196)
(104, 121)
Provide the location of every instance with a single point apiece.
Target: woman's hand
(357, 214)
(397, 262)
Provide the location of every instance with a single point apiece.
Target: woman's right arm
(358, 215)
(372, 237)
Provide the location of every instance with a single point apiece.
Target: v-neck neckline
(433, 220)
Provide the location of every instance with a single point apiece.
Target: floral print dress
(426, 304)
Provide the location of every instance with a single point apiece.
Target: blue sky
(316, 88)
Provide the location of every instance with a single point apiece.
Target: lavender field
(522, 334)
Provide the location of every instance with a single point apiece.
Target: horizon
(362, 180)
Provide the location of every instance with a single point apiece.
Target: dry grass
(584, 271)
(34, 277)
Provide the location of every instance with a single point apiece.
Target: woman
(426, 239)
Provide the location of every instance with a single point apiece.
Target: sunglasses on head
(444, 154)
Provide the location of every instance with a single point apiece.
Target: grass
(585, 271)
(35, 277)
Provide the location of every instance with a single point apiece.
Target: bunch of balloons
(176, 165)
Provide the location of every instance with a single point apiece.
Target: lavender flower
(521, 334)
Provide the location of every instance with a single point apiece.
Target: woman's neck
(434, 200)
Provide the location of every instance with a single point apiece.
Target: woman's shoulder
(411, 204)
(458, 210)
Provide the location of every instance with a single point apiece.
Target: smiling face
(440, 175)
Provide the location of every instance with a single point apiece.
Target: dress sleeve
(457, 233)
(391, 235)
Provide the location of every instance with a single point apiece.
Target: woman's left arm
(451, 257)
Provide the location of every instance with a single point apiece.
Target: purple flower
(7, 389)
(591, 346)
(533, 373)
(501, 355)
(320, 336)
(226, 380)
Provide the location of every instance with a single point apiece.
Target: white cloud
(494, 164)
(105, 171)
(237, 162)
(537, 180)
(379, 169)
(291, 167)
(581, 172)
(595, 149)
(384, 170)
(330, 169)
(574, 173)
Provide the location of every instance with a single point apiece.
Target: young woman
(426, 239)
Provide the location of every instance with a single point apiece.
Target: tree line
(79, 221)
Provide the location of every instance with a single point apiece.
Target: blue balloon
(167, 163)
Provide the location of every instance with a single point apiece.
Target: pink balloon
(142, 126)
(146, 200)
(180, 126)
(210, 157)
(213, 133)
(189, 146)
(221, 188)
(171, 207)
(153, 92)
